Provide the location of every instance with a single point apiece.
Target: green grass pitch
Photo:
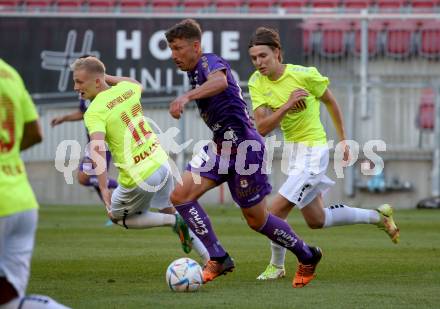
(81, 263)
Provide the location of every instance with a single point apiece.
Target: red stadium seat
(293, 6)
(399, 39)
(165, 5)
(425, 120)
(102, 5)
(196, 5)
(68, 5)
(132, 5)
(374, 38)
(37, 5)
(423, 6)
(390, 5)
(429, 44)
(309, 29)
(324, 4)
(426, 115)
(334, 36)
(261, 6)
(228, 6)
(357, 5)
(9, 5)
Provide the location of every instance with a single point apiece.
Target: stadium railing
(230, 6)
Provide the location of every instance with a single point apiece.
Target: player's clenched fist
(297, 100)
(176, 107)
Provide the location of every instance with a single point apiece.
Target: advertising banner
(42, 48)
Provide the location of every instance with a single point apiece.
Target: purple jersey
(83, 105)
(225, 113)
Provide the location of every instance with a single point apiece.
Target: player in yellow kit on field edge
(19, 130)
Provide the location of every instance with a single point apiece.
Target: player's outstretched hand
(297, 100)
(347, 156)
(176, 107)
(56, 121)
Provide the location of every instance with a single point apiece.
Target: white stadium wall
(397, 84)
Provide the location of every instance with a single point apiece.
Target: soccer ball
(184, 275)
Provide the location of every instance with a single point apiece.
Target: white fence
(381, 97)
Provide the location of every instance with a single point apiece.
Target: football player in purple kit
(84, 175)
(235, 156)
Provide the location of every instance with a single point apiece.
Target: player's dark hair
(187, 29)
(267, 36)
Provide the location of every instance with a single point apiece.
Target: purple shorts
(85, 165)
(241, 170)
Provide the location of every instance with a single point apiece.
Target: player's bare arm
(335, 112)
(98, 156)
(267, 120)
(32, 134)
(215, 84)
(75, 116)
(113, 80)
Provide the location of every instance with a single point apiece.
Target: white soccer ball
(184, 275)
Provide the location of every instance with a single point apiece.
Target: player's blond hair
(90, 64)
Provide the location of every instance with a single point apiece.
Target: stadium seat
(9, 5)
(293, 6)
(309, 30)
(165, 5)
(426, 115)
(135, 6)
(400, 38)
(196, 5)
(334, 38)
(425, 120)
(374, 38)
(68, 5)
(423, 6)
(228, 6)
(429, 40)
(37, 5)
(101, 5)
(261, 6)
(390, 5)
(324, 4)
(357, 5)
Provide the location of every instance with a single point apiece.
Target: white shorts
(17, 233)
(306, 174)
(154, 192)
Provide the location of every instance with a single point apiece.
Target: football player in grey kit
(235, 156)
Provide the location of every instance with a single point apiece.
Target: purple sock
(92, 182)
(112, 183)
(198, 221)
(280, 232)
